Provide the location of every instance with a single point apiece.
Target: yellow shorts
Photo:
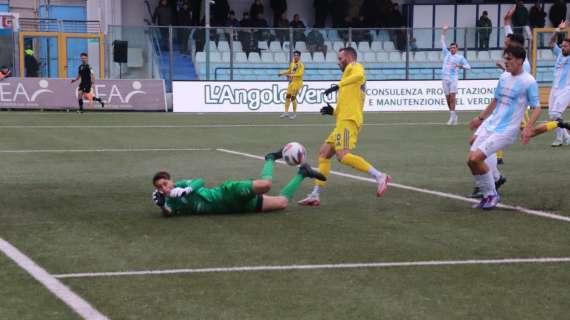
(294, 88)
(344, 136)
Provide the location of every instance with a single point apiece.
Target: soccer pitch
(76, 199)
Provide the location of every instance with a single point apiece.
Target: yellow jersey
(351, 94)
(296, 69)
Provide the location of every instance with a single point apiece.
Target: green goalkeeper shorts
(238, 197)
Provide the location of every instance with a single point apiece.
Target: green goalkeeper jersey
(229, 197)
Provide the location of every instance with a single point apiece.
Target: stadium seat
(266, 57)
(223, 46)
(215, 56)
(213, 46)
(364, 46)
(382, 56)
(200, 57)
(254, 57)
(301, 46)
(496, 55)
(237, 46)
(383, 35)
(435, 56)
(369, 57)
(389, 46)
(275, 46)
(331, 57)
(262, 45)
(226, 56)
(419, 56)
(280, 57)
(352, 44)
(472, 56)
(286, 46)
(318, 57)
(337, 45)
(546, 54)
(484, 56)
(395, 56)
(240, 57)
(376, 46)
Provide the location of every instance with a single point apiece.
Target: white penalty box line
(62, 292)
(101, 150)
(538, 213)
(369, 265)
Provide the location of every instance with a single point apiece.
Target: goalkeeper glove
(327, 110)
(332, 89)
(180, 192)
(158, 198)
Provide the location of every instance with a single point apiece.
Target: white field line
(102, 150)
(427, 191)
(74, 301)
(205, 126)
(319, 266)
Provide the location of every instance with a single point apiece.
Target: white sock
(559, 133)
(491, 162)
(316, 190)
(375, 173)
(487, 184)
(453, 113)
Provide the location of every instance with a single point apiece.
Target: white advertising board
(269, 96)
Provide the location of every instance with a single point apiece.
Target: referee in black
(87, 77)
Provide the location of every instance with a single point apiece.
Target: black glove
(327, 110)
(332, 89)
(158, 198)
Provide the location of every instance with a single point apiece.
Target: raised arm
(552, 42)
(442, 38)
(507, 20)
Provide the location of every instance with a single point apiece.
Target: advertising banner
(9, 20)
(268, 96)
(40, 93)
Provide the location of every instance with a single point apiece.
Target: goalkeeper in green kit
(190, 196)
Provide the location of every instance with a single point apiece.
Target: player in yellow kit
(349, 119)
(295, 75)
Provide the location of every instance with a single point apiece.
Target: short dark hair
(83, 54)
(349, 50)
(567, 40)
(516, 38)
(485, 13)
(297, 52)
(453, 44)
(516, 51)
(160, 175)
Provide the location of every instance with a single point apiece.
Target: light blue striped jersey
(561, 69)
(449, 70)
(513, 95)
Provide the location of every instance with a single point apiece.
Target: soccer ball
(294, 153)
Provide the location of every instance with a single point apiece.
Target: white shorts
(489, 142)
(558, 100)
(449, 86)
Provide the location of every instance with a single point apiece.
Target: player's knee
(282, 203)
(473, 160)
(288, 96)
(264, 185)
(340, 154)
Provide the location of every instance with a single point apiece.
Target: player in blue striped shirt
(499, 124)
(560, 92)
(452, 63)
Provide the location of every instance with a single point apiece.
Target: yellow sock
(551, 125)
(295, 105)
(357, 162)
(325, 169)
(500, 154)
(287, 103)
